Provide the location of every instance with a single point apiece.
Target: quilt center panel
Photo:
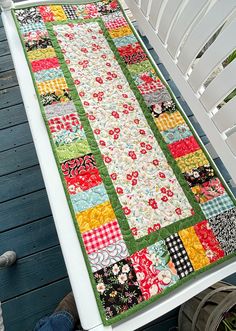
(147, 188)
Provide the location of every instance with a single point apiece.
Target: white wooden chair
(178, 30)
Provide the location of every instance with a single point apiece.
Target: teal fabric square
(44, 75)
(123, 41)
(90, 198)
(178, 133)
(217, 206)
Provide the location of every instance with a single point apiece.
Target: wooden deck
(34, 285)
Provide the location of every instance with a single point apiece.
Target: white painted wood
(156, 10)
(170, 12)
(203, 31)
(220, 87)
(211, 150)
(145, 6)
(184, 23)
(6, 4)
(231, 141)
(222, 47)
(225, 118)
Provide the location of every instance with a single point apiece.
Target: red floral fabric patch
(183, 147)
(208, 240)
(81, 174)
(208, 190)
(44, 64)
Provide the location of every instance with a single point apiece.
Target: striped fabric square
(102, 236)
(179, 255)
(183, 147)
(217, 206)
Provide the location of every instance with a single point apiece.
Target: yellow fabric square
(194, 249)
(40, 54)
(191, 161)
(55, 85)
(168, 121)
(94, 217)
(120, 32)
(58, 12)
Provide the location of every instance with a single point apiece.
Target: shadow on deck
(34, 285)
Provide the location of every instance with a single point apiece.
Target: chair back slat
(145, 6)
(214, 56)
(156, 10)
(231, 142)
(220, 87)
(203, 31)
(225, 118)
(184, 23)
(167, 20)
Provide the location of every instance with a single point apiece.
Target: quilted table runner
(150, 208)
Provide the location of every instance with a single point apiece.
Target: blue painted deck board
(30, 307)
(24, 209)
(13, 115)
(33, 287)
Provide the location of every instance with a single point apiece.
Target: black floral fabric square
(224, 228)
(28, 15)
(118, 288)
(199, 175)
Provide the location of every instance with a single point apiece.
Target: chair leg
(6, 4)
(7, 259)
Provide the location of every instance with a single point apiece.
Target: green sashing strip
(132, 244)
(179, 283)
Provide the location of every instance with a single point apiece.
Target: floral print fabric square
(148, 205)
(118, 288)
(154, 269)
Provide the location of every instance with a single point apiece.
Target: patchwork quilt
(150, 208)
